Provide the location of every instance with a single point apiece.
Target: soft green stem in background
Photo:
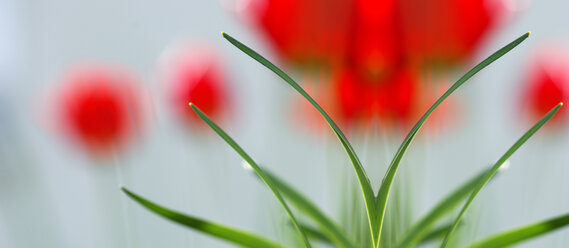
(422, 227)
(329, 228)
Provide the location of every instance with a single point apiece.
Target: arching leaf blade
(387, 182)
(495, 168)
(437, 233)
(233, 235)
(365, 185)
(422, 227)
(514, 236)
(255, 167)
(316, 234)
(328, 227)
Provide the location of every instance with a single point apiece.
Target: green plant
(327, 229)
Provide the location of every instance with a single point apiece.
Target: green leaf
(363, 179)
(232, 235)
(422, 227)
(255, 167)
(437, 233)
(387, 182)
(316, 234)
(495, 168)
(329, 228)
(520, 234)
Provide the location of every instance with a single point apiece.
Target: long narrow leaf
(495, 168)
(315, 234)
(232, 235)
(520, 234)
(363, 179)
(255, 167)
(387, 182)
(437, 233)
(450, 202)
(329, 228)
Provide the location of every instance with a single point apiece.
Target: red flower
(305, 31)
(194, 74)
(360, 99)
(446, 31)
(100, 107)
(548, 81)
(422, 30)
(375, 47)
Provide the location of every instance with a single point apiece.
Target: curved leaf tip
(497, 166)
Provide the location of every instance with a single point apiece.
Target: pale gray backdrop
(53, 196)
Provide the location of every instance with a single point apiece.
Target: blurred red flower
(194, 73)
(100, 107)
(547, 82)
(373, 39)
(360, 99)
(374, 49)
(420, 30)
(305, 31)
(446, 31)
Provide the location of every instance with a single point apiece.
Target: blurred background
(94, 94)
